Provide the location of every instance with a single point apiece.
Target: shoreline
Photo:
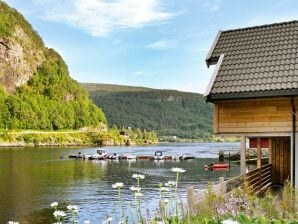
(32, 145)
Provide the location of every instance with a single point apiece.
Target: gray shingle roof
(258, 61)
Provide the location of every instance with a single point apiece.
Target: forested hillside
(36, 91)
(169, 112)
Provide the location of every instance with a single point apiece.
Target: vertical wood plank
(270, 150)
(259, 153)
(277, 173)
(281, 163)
(215, 119)
(242, 155)
(273, 159)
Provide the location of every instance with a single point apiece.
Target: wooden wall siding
(253, 116)
(280, 159)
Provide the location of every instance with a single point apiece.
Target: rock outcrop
(19, 59)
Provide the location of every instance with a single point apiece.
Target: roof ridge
(260, 26)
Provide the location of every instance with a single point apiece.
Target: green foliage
(170, 113)
(50, 100)
(10, 18)
(90, 136)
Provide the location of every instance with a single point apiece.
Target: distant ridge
(169, 112)
(111, 87)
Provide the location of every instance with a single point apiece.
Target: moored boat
(158, 156)
(217, 166)
(100, 155)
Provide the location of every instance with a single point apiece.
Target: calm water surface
(32, 178)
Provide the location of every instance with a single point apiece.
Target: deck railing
(260, 178)
(194, 197)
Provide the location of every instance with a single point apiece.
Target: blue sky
(153, 43)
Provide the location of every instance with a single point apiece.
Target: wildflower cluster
(166, 197)
(60, 214)
(242, 206)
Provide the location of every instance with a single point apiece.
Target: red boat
(218, 166)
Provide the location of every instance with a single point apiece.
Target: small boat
(176, 158)
(86, 156)
(187, 157)
(76, 156)
(145, 157)
(100, 155)
(129, 157)
(220, 165)
(217, 166)
(114, 156)
(158, 156)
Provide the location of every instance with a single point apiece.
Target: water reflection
(30, 179)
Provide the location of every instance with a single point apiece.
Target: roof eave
(215, 72)
(249, 95)
(208, 57)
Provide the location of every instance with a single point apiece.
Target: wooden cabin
(254, 89)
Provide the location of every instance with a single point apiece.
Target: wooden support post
(270, 150)
(190, 198)
(223, 187)
(259, 153)
(242, 155)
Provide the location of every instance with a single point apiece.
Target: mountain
(169, 112)
(36, 91)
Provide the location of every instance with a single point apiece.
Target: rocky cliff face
(36, 91)
(19, 59)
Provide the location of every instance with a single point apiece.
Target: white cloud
(162, 44)
(211, 5)
(141, 72)
(99, 17)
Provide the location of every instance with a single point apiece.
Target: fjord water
(32, 178)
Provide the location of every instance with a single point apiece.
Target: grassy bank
(112, 137)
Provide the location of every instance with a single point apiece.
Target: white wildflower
(108, 220)
(73, 208)
(162, 189)
(170, 183)
(229, 221)
(165, 201)
(59, 213)
(132, 188)
(178, 170)
(138, 176)
(160, 222)
(54, 204)
(138, 194)
(117, 185)
(13, 222)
